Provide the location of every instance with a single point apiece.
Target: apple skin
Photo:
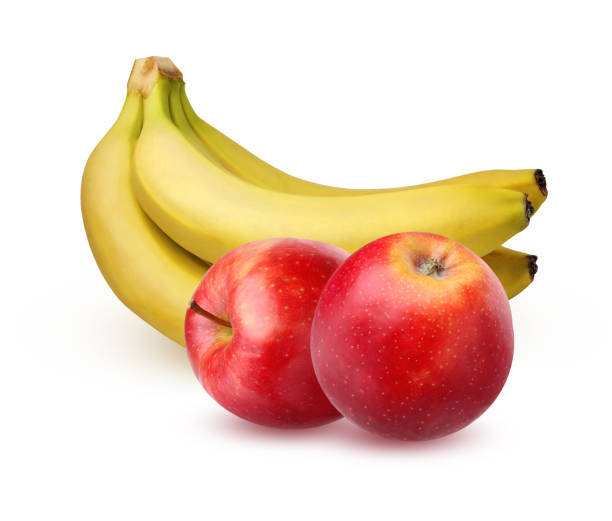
(258, 365)
(407, 355)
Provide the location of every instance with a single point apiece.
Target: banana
(514, 269)
(209, 212)
(150, 274)
(244, 164)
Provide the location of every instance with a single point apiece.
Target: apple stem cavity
(431, 268)
(201, 311)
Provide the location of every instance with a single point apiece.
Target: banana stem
(146, 73)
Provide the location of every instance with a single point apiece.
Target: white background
(103, 418)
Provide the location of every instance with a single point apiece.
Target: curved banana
(243, 163)
(514, 269)
(149, 273)
(209, 212)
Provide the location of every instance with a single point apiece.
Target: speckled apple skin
(411, 356)
(260, 369)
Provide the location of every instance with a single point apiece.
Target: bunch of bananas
(164, 195)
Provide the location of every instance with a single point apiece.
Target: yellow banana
(514, 269)
(209, 212)
(243, 163)
(149, 273)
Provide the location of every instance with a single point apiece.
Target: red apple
(248, 331)
(412, 337)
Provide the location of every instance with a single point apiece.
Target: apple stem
(201, 311)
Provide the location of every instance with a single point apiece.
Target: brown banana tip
(532, 265)
(529, 209)
(541, 182)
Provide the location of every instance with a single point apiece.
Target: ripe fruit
(246, 165)
(514, 269)
(412, 337)
(248, 331)
(208, 211)
(150, 273)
